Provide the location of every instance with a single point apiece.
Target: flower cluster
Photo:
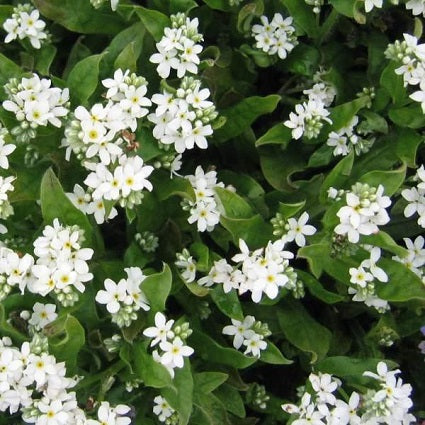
(183, 117)
(309, 116)
(61, 266)
(178, 48)
(277, 37)
(415, 197)
(204, 210)
(387, 405)
(26, 23)
(125, 298)
(346, 140)
(363, 281)
(364, 211)
(163, 410)
(411, 56)
(6, 208)
(34, 383)
(264, 270)
(415, 258)
(250, 333)
(97, 135)
(35, 103)
(186, 265)
(171, 339)
(292, 229)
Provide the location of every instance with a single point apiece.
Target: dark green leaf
(232, 400)
(80, 16)
(272, 355)
(278, 135)
(234, 205)
(55, 204)
(303, 15)
(391, 180)
(289, 210)
(228, 303)
(8, 69)
(83, 79)
(317, 290)
(408, 116)
(154, 21)
(206, 382)
(243, 114)
(182, 5)
(303, 331)
(66, 338)
(393, 83)
(157, 287)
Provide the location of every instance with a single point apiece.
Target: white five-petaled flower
(298, 228)
(161, 331)
(174, 352)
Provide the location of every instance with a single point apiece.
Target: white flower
(161, 331)
(298, 228)
(239, 330)
(115, 294)
(377, 272)
(416, 6)
(42, 315)
(5, 150)
(254, 343)
(162, 409)
(174, 352)
(360, 277)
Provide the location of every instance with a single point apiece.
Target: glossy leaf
(157, 287)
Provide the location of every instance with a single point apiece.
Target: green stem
(111, 371)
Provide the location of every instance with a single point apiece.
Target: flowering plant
(211, 212)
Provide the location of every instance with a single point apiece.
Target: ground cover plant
(212, 212)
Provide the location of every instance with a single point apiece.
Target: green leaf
(254, 231)
(314, 254)
(157, 287)
(338, 176)
(391, 180)
(406, 145)
(276, 135)
(133, 34)
(66, 338)
(408, 116)
(385, 241)
(303, 331)
(403, 285)
(180, 397)
(8, 69)
(44, 58)
(218, 5)
(303, 15)
(209, 350)
(303, 60)
(393, 83)
(80, 16)
(202, 256)
(153, 20)
(243, 114)
(227, 303)
(165, 187)
(182, 5)
(289, 210)
(5, 13)
(272, 355)
(320, 157)
(127, 59)
(349, 367)
(234, 205)
(247, 13)
(55, 204)
(317, 290)
(83, 79)
(232, 400)
(342, 115)
(209, 410)
(146, 368)
(125, 356)
(206, 382)
(7, 329)
(345, 7)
